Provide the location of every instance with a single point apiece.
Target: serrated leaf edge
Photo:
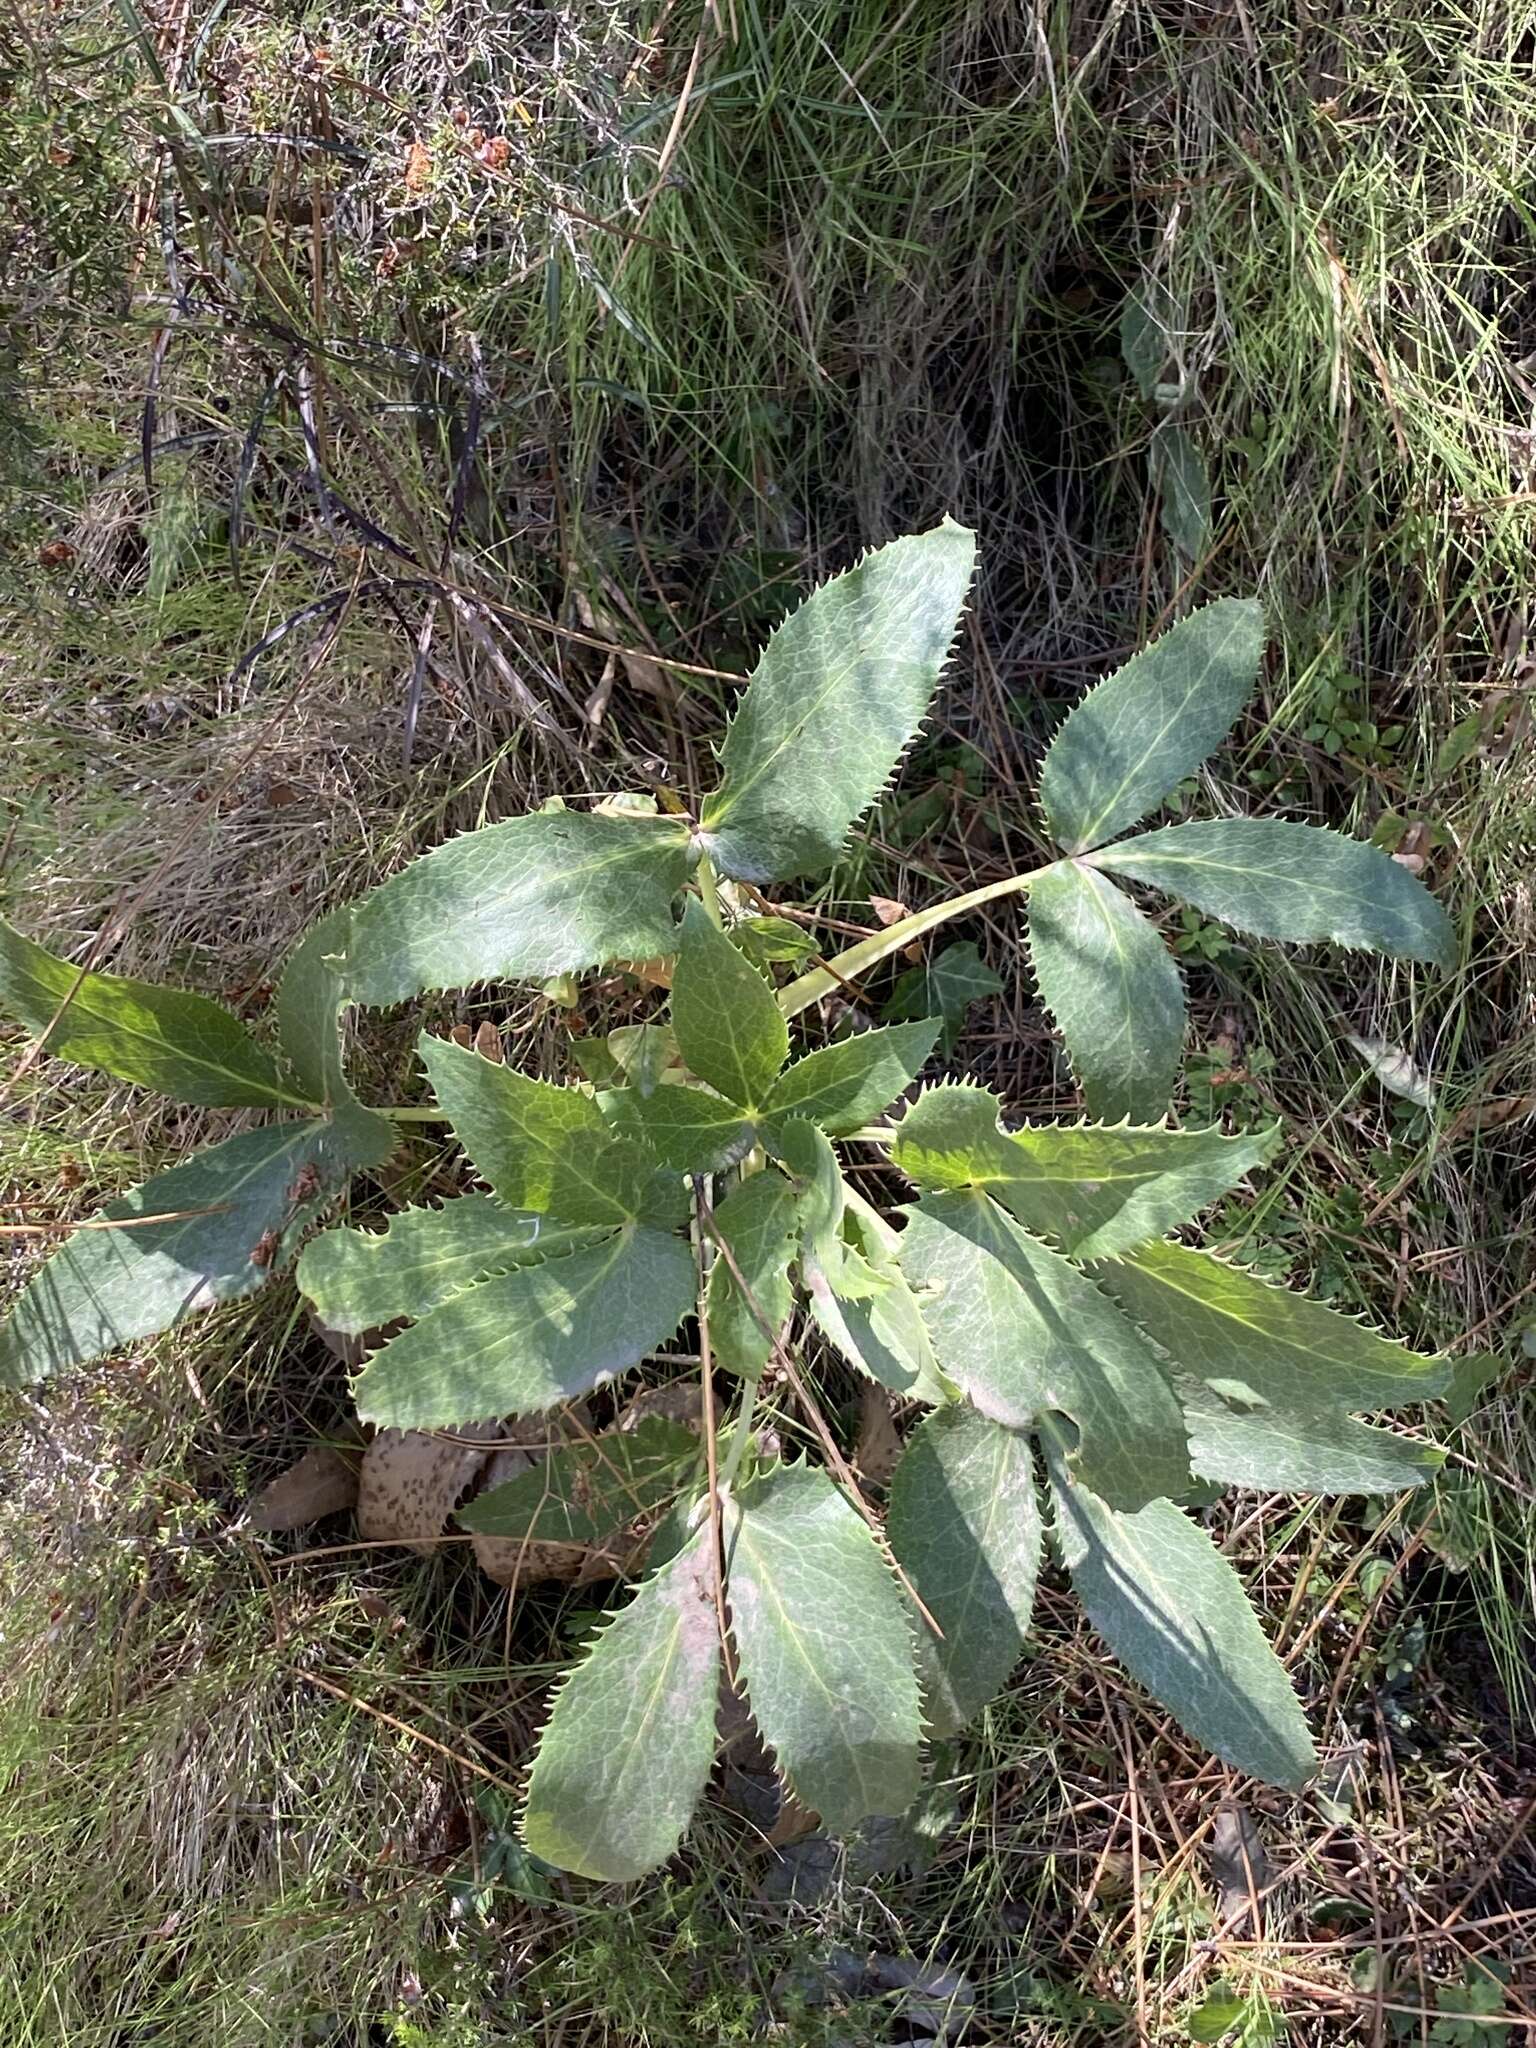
(635, 1587)
(1080, 852)
(1032, 979)
(500, 1273)
(1434, 1384)
(894, 1571)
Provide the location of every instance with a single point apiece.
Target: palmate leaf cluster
(1071, 1368)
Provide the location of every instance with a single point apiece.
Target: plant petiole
(796, 996)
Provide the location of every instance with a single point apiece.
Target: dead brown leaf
(323, 1482)
(1239, 1866)
(640, 671)
(877, 1446)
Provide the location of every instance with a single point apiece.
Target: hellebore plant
(1035, 1305)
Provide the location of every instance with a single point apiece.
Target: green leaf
(869, 1313)
(551, 893)
(729, 1028)
(944, 986)
(1096, 1190)
(1471, 1375)
(1024, 1333)
(587, 1492)
(806, 1152)
(840, 690)
(1285, 881)
(871, 1316)
(824, 1647)
(532, 1339)
(758, 1221)
(1180, 479)
(964, 1525)
(310, 999)
(643, 1053)
(1174, 1612)
(773, 941)
(1145, 319)
(1297, 1450)
(359, 1280)
(1113, 988)
(543, 1148)
(232, 1216)
(1268, 1378)
(627, 1751)
(164, 1038)
(687, 1129)
(1143, 729)
(842, 1086)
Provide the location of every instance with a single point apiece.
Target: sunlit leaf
(1094, 1189)
(164, 1038)
(758, 1222)
(824, 1646)
(627, 1751)
(1142, 730)
(1112, 986)
(687, 1129)
(842, 1086)
(551, 893)
(543, 1148)
(729, 1028)
(1268, 1378)
(841, 688)
(1285, 881)
(1025, 1334)
(231, 1217)
(532, 1339)
(310, 999)
(359, 1280)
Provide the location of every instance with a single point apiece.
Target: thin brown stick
(112, 1222)
(711, 1442)
(404, 1728)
